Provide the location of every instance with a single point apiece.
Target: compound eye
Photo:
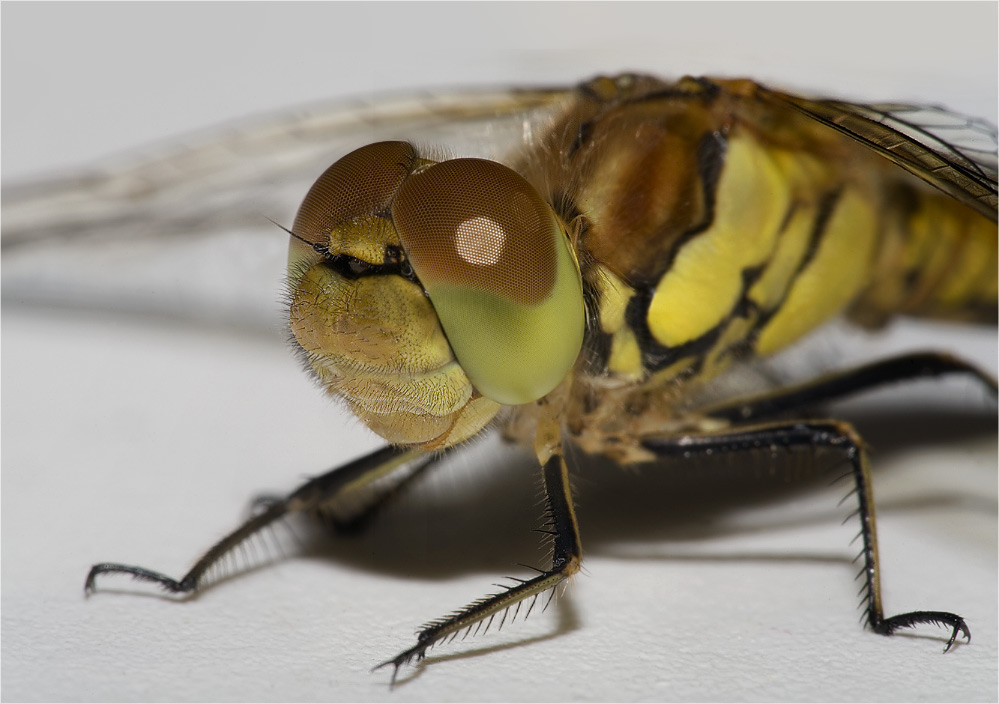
(500, 273)
(359, 184)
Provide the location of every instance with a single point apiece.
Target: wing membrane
(239, 171)
(952, 152)
(183, 229)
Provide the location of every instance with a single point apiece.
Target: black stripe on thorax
(711, 152)
(656, 356)
(823, 214)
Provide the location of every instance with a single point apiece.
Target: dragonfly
(631, 245)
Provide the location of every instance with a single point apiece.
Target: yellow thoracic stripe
(831, 279)
(704, 283)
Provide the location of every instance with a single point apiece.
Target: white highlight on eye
(480, 240)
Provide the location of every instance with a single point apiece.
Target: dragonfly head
(429, 294)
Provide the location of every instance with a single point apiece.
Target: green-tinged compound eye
(500, 273)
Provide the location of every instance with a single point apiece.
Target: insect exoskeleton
(430, 294)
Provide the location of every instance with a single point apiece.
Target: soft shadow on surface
(478, 513)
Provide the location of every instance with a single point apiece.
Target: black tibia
(566, 556)
(920, 365)
(782, 437)
(343, 496)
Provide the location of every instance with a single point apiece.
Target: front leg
(566, 559)
(344, 497)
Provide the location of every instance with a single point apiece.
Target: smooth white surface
(128, 442)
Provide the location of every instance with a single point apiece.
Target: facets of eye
(480, 240)
(362, 183)
(499, 271)
(477, 222)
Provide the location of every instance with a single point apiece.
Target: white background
(132, 442)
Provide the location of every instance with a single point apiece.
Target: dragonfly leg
(809, 434)
(918, 365)
(566, 559)
(344, 496)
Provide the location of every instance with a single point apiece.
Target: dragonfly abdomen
(937, 259)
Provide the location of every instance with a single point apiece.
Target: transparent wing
(952, 152)
(183, 230)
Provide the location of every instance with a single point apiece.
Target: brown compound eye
(499, 271)
(361, 183)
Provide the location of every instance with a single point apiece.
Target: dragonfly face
(428, 294)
